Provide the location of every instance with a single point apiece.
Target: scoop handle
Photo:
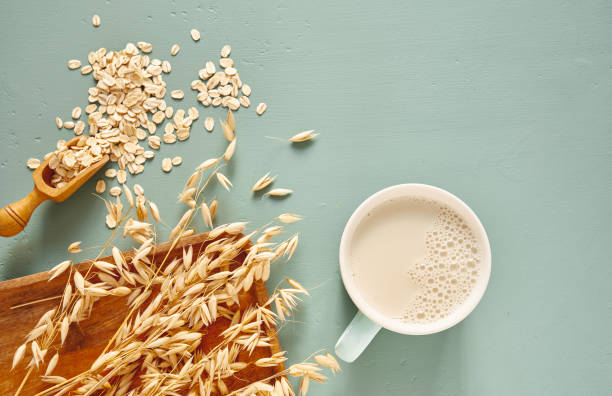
(14, 217)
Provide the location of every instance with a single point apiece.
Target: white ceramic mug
(366, 324)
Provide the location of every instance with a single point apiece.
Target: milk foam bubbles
(449, 271)
(415, 260)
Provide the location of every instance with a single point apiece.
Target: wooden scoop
(15, 216)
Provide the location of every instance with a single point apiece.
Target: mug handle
(356, 337)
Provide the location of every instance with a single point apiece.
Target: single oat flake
(33, 163)
(225, 51)
(195, 34)
(95, 20)
(177, 94)
(261, 108)
(74, 64)
(166, 165)
(115, 191)
(100, 186)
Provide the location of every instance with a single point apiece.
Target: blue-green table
(506, 104)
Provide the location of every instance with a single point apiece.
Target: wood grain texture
(87, 339)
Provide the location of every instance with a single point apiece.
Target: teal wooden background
(506, 104)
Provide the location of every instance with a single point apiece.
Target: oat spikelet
(128, 195)
(279, 192)
(19, 353)
(75, 247)
(228, 132)
(193, 179)
(224, 181)
(79, 282)
(229, 151)
(206, 215)
(213, 208)
(231, 121)
(263, 182)
(297, 286)
(64, 329)
(36, 353)
(154, 211)
(59, 269)
(303, 136)
(328, 361)
(52, 364)
(289, 218)
(207, 164)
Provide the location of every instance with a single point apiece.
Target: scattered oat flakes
(261, 108)
(154, 142)
(225, 51)
(244, 101)
(177, 94)
(195, 34)
(176, 161)
(166, 165)
(101, 185)
(169, 138)
(74, 64)
(193, 113)
(95, 20)
(76, 113)
(79, 127)
(33, 163)
(166, 67)
(158, 117)
(175, 49)
(115, 191)
(121, 176)
(145, 47)
(226, 62)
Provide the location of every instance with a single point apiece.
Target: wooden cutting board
(85, 341)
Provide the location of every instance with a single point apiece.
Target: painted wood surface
(504, 103)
